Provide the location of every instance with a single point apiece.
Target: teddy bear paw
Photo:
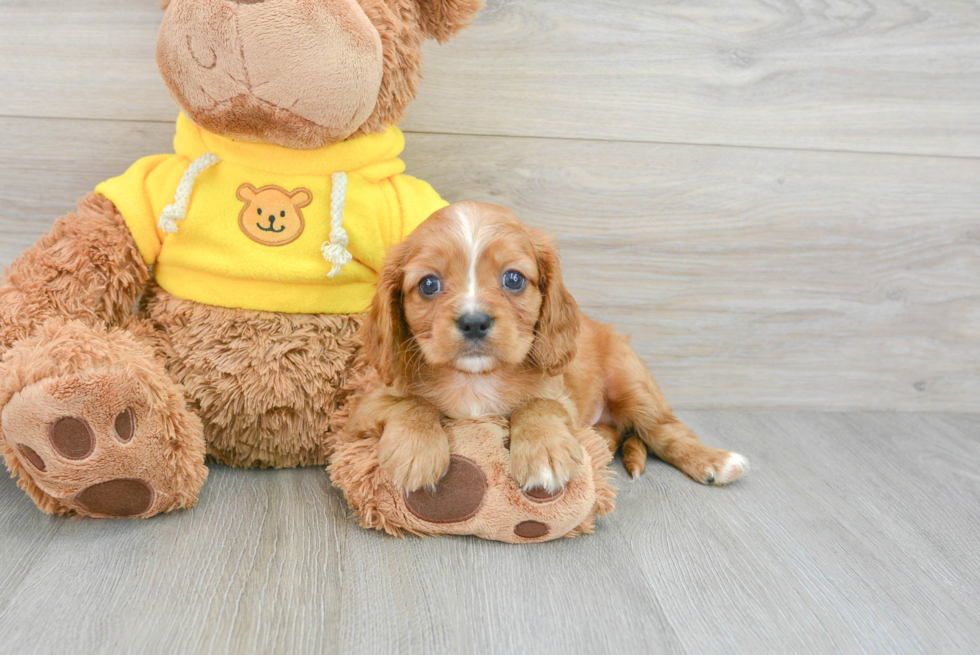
(101, 444)
(478, 495)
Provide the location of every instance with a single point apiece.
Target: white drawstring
(335, 251)
(178, 210)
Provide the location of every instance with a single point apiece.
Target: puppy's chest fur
(466, 395)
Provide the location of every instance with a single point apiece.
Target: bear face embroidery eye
(430, 286)
(514, 281)
(260, 211)
(282, 214)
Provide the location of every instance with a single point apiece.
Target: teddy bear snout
(304, 86)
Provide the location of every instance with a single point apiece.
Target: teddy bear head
(299, 73)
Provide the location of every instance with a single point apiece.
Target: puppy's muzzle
(474, 326)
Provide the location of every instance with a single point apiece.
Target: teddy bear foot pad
(86, 450)
(477, 495)
(102, 441)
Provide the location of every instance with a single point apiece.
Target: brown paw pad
(531, 529)
(539, 495)
(72, 438)
(116, 498)
(31, 456)
(457, 497)
(125, 425)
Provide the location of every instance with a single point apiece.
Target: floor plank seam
(875, 153)
(696, 144)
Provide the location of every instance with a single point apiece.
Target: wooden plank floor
(854, 533)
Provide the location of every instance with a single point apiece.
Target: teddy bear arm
(87, 267)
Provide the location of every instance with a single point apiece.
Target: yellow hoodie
(262, 227)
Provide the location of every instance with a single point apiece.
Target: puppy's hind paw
(733, 468)
(736, 467)
(634, 457)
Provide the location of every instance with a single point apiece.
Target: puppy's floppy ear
(385, 330)
(558, 323)
(442, 19)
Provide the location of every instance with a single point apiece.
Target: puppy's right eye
(430, 286)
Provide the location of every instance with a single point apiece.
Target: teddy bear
(206, 303)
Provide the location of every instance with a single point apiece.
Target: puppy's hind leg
(634, 450)
(611, 435)
(638, 404)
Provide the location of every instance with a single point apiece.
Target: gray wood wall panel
(876, 75)
(881, 76)
(748, 277)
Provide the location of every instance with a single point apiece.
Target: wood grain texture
(852, 536)
(873, 75)
(256, 559)
(747, 277)
(752, 277)
(853, 533)
(876, 75)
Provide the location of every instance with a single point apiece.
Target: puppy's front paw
(544, 459)
(413, 459)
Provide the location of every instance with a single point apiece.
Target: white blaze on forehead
(473, 240)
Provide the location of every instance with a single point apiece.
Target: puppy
(471, 319)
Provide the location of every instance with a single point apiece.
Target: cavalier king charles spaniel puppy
(471, 319)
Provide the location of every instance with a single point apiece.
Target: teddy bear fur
(86, 335)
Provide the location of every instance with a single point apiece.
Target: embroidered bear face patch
(272, 216)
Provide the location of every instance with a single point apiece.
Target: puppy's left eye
(514, 281)
(430, 285)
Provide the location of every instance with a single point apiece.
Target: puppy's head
(475, 290)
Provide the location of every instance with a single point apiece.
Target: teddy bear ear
(301, 198)
(247, 193)
(164, 4)
(442, 19)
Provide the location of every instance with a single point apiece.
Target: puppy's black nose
(474, 325)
